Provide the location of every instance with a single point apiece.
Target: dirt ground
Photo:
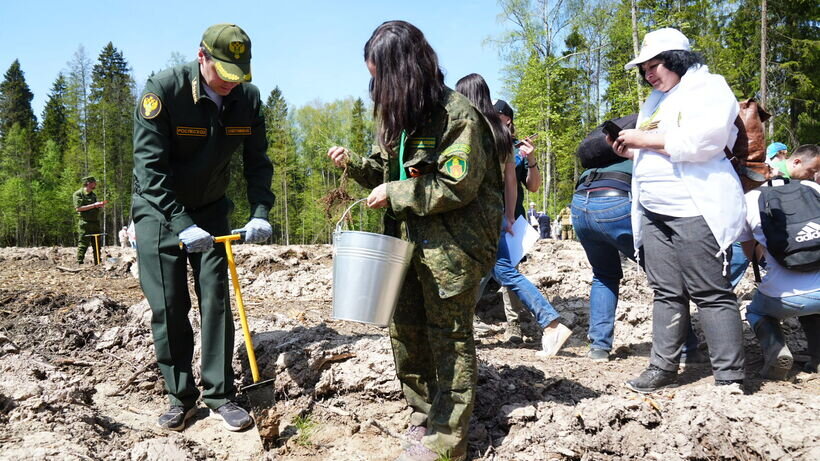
(78, 379)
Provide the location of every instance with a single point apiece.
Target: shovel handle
(240, 305)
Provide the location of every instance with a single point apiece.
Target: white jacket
(697, 118)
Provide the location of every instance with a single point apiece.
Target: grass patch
(306, 427)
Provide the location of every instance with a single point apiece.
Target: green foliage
(305, 427)
(15, 101)
(55, 115)
(563, 75)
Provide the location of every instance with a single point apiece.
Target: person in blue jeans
(507, 275)
(601, 215)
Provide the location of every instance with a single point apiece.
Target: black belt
(603, 193)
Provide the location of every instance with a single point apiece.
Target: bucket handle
(342, 219)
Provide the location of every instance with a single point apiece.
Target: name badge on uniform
(192, 131)
(238, 130)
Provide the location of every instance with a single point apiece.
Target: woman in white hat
(687, 206)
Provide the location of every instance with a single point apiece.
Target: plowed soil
(78, 379)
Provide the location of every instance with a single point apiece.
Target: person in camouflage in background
(565, 218)
(88, 208)
(435, 170)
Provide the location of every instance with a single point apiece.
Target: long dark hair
(475, 88)
(408, 81)
(678, 61)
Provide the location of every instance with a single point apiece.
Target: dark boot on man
(512, 333)
(234, 417)
(652, 379)
(811, 327)
(777, 358)
(174, 419)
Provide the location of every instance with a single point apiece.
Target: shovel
(260, 393)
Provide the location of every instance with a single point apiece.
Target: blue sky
(311, 49)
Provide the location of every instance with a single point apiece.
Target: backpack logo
(810, 231)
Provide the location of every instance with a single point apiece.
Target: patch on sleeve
(457, 149)
(150, 106)
(456, 167)
(417, 142)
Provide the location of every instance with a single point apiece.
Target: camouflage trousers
(86, 240)
(567, 232)
(435, 357)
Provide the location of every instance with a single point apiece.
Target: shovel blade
(261, 398)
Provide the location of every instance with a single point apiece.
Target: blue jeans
(603, 226)
(782, 308)
(508, 276)
(738, 264)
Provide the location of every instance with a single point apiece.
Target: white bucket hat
(656, 42)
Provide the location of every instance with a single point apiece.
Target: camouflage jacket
(451, 206)
(80, 198)
(183, 146)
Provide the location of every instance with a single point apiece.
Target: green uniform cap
(230, 48)
(88, 179)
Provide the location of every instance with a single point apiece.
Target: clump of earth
(79, 380)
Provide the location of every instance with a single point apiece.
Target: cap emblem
(237, 48)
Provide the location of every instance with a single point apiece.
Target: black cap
(503, 108)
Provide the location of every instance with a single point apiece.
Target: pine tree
(55, 115)
(110, 127)
(282, 152)
(15, 101)
(358, 132)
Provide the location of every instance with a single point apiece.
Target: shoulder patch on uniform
(417, 142)
(456, 167)
(150, 106)
(457, 149)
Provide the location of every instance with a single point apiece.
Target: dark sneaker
(696, 357)
(728, 382)
(652, 379)
(598, 355)
(234, 417)
(174, 419)
(513, 333)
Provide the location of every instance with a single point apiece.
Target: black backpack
(790, 218)
(594, 152)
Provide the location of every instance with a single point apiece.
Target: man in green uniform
(87, 206)
(188, 123)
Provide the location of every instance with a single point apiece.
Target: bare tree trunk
(634, 9)
(763, 59)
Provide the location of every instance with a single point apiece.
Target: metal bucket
(368, 273)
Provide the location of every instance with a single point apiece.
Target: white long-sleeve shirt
(697, 118)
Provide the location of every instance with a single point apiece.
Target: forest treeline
(563, 74)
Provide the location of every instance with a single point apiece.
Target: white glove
(196, 240)
(256, 230)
